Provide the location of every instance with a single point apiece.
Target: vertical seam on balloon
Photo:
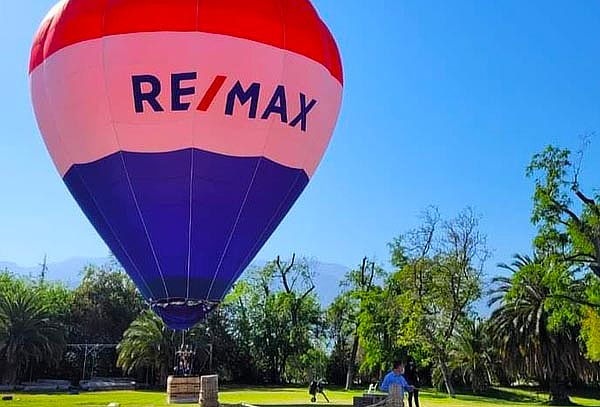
(282, 76)
(257, 243)
(189, 257)
(121, 155)
(67, 151)
(239, 215)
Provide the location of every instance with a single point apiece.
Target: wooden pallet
(183, 389)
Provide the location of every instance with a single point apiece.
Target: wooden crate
(183, 389)
(209, 391)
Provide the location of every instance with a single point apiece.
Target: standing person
(395, 377)
(412, 377)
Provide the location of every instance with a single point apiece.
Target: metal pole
(84, 362)
(210, 357)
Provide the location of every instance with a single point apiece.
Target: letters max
(147, 88)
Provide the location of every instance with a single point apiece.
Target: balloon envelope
(185, 130)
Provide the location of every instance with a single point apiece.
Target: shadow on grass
(529, 395)
(492, 395)
(258, 389)
(512, 396)
(302, 405)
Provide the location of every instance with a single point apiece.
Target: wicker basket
(183, 389)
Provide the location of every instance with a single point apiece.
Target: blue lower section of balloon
(181, 316)
(184, 224)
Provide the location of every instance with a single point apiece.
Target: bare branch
(283, 271)
(569, 212)
(583, 257)
(310, 290)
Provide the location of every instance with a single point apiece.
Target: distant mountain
(70, 272)
(328, 279)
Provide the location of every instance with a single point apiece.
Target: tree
(340, 318)
(575, 237)
(361, 282)
(235, 318)
(57, 300)
(148, 343)
(27, 333)
(276, 316)
(9, 283)
(104, 305)
(568, 221)
(530, 344)
(381, 320)
(439, 269)
(590, 331)
(590, 321)
(471, 355)
(298, 309)
(343, 314)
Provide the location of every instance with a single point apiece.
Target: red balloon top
(293, 25)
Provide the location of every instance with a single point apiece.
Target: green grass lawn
(285, 396)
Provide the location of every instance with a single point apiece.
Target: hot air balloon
(185, 130)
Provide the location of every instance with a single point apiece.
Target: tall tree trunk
(10, 376)
(274, 371)
(352, 362)
(559, 394)
(282, 370)
(447, 378)
(164, 373)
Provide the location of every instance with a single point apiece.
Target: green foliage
(345, 317)
(557, 280)
(307, 366)
(472, 355)
(550, 194)
(381, 322)
(568, 239)
(104, 305)
(10, 283)
(591, 333)
(574, 237)
(275, 316)
(148, 343)
(530, 344)
(439, 276)
(57, 299)
(342, 317)
(27, 333)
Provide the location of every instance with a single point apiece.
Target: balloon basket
(181, 390)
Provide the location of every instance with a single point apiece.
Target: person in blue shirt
(396, 377)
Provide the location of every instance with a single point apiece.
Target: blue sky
(445, 103)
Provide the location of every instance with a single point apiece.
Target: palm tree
(527, 347)
(27, 334)
(470, 356)
(147, 343)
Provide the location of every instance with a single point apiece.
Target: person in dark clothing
(412, 377)
(317, 387)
